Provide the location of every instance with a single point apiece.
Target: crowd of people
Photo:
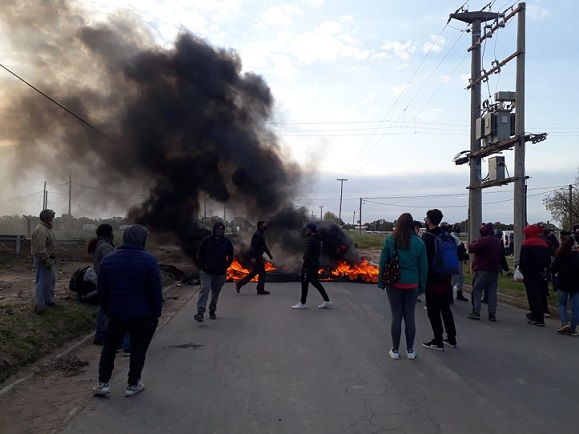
(129, 287)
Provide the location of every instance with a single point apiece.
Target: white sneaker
(325, 305)
(394, 354)
(411, 355)
(133, 390)
(101, 389)
(299, 306)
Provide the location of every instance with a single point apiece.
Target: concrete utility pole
(69, 195)
(44, 197)
(520, 189)
(354, 219)
(340, 210)
(475, 192)
(570, 207)
(360, 225)
(321, 209)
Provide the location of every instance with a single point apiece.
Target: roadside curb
(77, 344)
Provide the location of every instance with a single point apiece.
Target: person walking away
(215, 256)
(43, 250)
(98, 248)
(402, 295)
(566, 267)
(489, 259)
(310, 268)
(256, 250)
(437, 304)
(534, 261)
(131, 295)
(458, 278)
(553, 244)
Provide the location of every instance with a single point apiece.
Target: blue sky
(374, 91)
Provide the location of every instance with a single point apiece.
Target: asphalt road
(262, 367)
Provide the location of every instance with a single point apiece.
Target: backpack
(461, 252)
(445, 259)
(86, 291)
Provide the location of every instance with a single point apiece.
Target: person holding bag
(402, 294)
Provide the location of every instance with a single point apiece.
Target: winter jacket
(43, 241)
(435, 283)
(567, 269)
(412, 261)
(488, 250)
(129, 283)
(313, 251)
(215, 255)
(103, 247)
(535, 258)
(258, 246)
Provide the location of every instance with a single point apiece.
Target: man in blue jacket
(131, 296)
(215, 256)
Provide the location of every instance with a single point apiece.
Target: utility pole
(354, 219)
(69, 195)
(360, 225)
(475, 192)
(321, 209)
(340, 210)
(44, 197)
(570, 207)
(520, 189)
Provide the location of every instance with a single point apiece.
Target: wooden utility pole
(69, 196)
(340, 209)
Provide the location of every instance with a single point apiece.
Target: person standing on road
(256, 250)
(489, 259)
(413, 273)
(566, 267)
(215, 256)
(458, 279)
(131, 296)
(310, 268)
(437, 304)
(534, 261)
(417, 226)
(43, 250)
(98, 248)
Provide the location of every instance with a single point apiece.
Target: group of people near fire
(421, 264)
(129, 284)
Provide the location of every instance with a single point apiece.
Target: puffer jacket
(129, 283)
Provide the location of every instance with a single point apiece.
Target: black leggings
(310, 275)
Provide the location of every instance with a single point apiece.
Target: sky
(373, 92)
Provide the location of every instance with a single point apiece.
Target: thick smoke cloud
(180, 125)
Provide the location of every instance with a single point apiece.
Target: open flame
(362, 271)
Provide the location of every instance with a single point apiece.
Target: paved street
(262, 367)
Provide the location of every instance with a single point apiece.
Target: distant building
(88, 227)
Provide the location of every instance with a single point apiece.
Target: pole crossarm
(495, 183)
(494, 69)
(498, 26)
(464, 157)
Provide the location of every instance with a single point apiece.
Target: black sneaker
(212, 315)
(451, 343)
(433, 345)
(461, 297)
(536, 323)
(262, 292)
(198, 317)
(492, 318)
(474, 315)
(238, 286)
(528, 315)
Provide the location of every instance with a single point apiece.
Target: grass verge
(26, 337)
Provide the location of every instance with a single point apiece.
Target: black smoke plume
(178, 125)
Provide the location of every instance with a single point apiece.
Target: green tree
(558, 205)
(328, 215)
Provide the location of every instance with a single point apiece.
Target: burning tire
(282, 276)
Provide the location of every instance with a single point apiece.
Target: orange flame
(362, 271)
(237, 272)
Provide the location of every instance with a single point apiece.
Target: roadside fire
(363, 271)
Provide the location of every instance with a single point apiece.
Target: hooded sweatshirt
(488, 250)
(535, 255)
(215, 254)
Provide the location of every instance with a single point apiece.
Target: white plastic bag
(518, 276)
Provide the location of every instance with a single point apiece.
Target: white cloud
(537, 12)
(278, 15)
(397, 90)
(400, 50)
(435, 44)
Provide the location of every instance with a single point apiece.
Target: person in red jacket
(489, 258)
(534, 262)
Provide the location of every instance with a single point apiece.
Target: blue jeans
(402, 305)
(45, 282)
(100, 330)
(213, 283)
(574, 296)
(487, 281)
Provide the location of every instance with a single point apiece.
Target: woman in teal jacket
(402, 294)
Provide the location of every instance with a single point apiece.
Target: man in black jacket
(256, 250)
(215, 255)
(314, 246)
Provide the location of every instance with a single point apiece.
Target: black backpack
(85, 291)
